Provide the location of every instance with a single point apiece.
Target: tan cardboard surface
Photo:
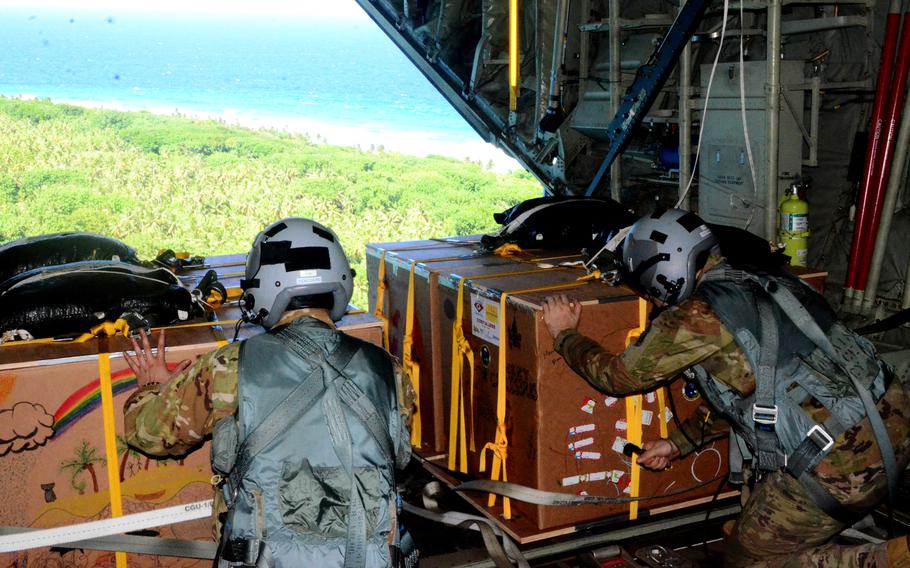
(52, 448)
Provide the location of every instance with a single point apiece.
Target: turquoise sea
(347, 74)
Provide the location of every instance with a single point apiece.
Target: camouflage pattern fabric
(174, 418)
(779, 525)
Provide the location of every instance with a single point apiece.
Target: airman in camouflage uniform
(174, 416)
(779, 526)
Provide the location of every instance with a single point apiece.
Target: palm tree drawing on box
(85, 460)
(128, 453)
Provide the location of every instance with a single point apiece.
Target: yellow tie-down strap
(461, 349)
(110, 443)
(633, 415)
(412, 369)
(381, 287)
(110, 329)
(379, 311)
(500, 445)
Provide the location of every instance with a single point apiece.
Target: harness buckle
(820, 437)
(764, 414)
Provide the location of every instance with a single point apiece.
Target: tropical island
(205, 187)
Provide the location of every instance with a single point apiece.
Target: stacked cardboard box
(54, 432)
(393, 264)
(562, 434)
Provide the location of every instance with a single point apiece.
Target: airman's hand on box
(151, 368)
(560, 313)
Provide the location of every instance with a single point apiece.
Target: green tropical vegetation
(159, 182)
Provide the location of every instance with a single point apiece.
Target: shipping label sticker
(581, 443)
(597, 476)
(618, 444)
(581, 429)
(667, 415)
(646, 417)
(587, 455)
(610, 401)
(621, 425)
(485, 319)
(589, 405)
(572, 480)
(650, 397)
(616, 475)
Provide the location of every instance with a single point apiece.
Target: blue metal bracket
(648, 81)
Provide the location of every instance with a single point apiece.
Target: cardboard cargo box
(62, 455)
(411, 269)
(562, 434)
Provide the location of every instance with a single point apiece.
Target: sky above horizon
(347, 10)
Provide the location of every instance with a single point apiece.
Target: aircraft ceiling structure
(577, 58)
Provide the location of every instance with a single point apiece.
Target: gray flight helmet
(295, 262)
(663, 253)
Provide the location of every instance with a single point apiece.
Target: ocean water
(343, 81)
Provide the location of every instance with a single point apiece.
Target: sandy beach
(366, 137)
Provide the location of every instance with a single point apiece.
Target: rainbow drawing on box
(88, 398)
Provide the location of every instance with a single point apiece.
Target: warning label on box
(485, 319)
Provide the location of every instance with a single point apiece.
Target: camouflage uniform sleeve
(702, 427)
(678, 338)
(407, 398)
(173, 418)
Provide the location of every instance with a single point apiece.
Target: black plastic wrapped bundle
(558, 223)
(68, 300)
(29, 253)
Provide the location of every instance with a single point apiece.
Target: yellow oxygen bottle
(793, 231)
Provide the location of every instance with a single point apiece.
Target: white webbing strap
(96, 529)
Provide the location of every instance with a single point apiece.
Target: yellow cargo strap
(411, 369)
(500, 446)
(633, 415)
(633, 419)
(595, 275)
(109, 329)
(379, 311)
(508, 249)
(234, 293)
(382, 286)
(197, 324)
(110, 443)
(513, 55)
(461, 348)
(215, 299)
(662, 411)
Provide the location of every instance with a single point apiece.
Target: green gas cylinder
(793, 231)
